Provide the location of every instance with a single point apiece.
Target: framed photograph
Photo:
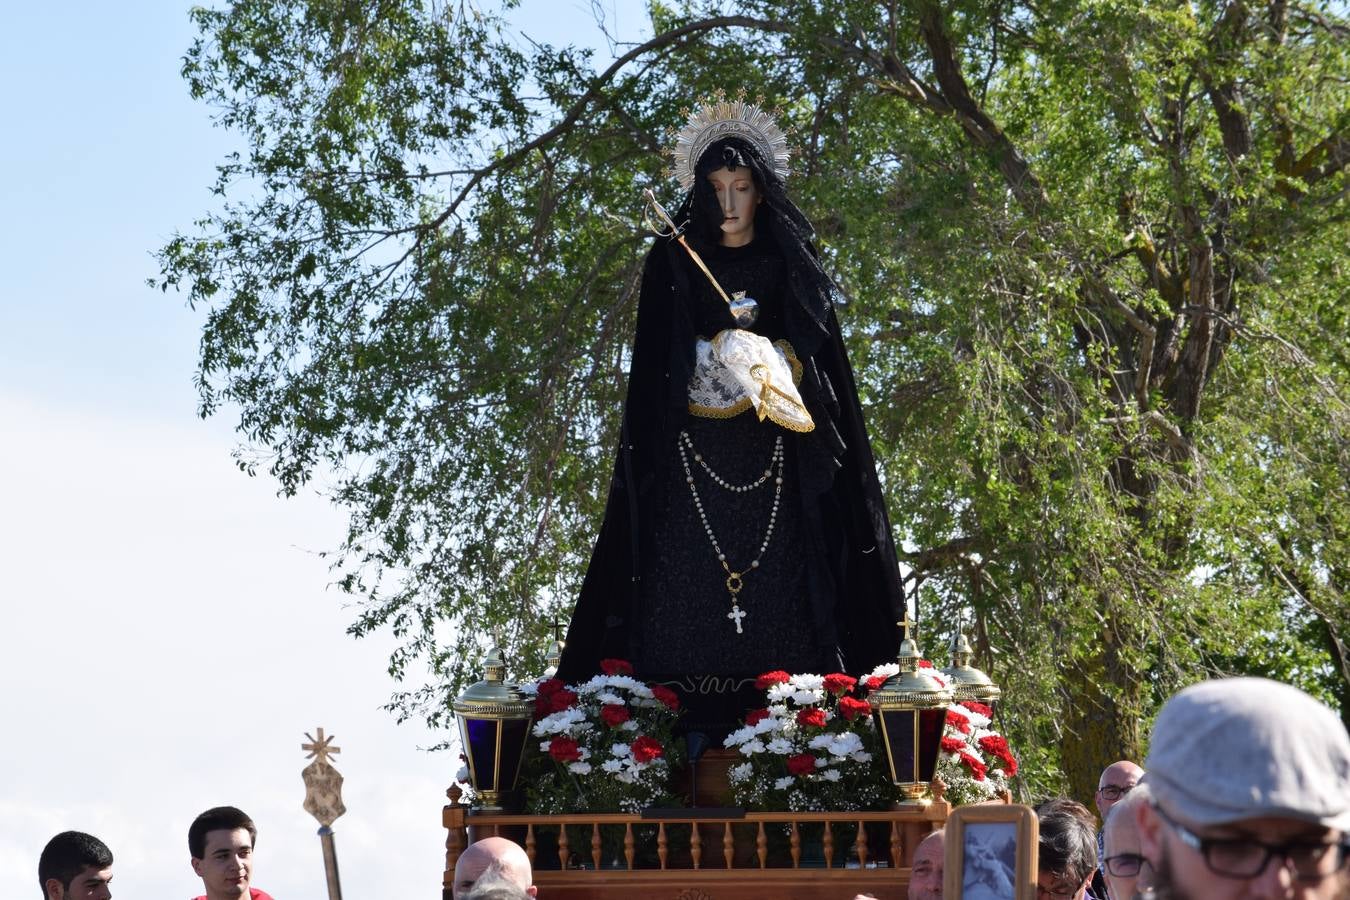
(990, 853)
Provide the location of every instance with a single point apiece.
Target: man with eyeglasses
(1115, 782)
(1125, 868)
(1250, 795)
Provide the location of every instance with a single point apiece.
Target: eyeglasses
(1114, 792)
(1123, 865)
(1248, 858)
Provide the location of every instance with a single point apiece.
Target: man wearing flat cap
(1249, 795)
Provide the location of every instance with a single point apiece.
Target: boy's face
(91, 884)
(226, 864)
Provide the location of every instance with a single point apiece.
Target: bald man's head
(925, 878)
(498, 855)
(1116, 781)
(1120, 838)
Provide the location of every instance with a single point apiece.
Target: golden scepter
(744, 310)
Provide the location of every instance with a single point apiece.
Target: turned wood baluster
(456, 838)
(895, 844)
(695, 845)
(861, 844)
(562, 846)
(529, 843)
(728, 844)
(628, 851)
(762, 846)
(829, 846)
(595, 845)
(662, 846)
(795, 845)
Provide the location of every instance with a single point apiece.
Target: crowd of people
(1244, 795)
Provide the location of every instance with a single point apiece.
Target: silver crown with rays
(723, 118)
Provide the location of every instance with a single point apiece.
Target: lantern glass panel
(913, 739)
(514, 734)
(931, 722)
(482, 741)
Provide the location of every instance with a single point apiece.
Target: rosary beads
(735, 580)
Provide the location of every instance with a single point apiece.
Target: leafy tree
(1094, 255)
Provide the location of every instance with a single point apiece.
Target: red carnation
(614, 714)
(839, 684)
(616, 667)
(666, 696)
(875, 682)
(977, 768)
(542, 707)
(755, 716)
(801, 764)
(564, 749)
(769, 679)
(851, 709)
(561, 699)
(987, 711)
(952, 744)
(925, 664)
(997, 745)
(994, 743)
(814, 717)
(645, 749)
(549, 687)
(958, 721)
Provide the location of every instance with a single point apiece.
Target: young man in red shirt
(221, 842)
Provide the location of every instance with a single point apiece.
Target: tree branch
(973, 120)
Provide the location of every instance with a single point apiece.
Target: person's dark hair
(67, 855)
(218, 818)
(1068, 842)
(1067, 806)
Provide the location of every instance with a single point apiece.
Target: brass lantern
(968, 682)
(494, 724)
(910, 710)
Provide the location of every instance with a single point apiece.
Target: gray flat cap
(1238, 748)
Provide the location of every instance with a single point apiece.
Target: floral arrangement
(811, 747)
(975, 761)
(605, 745)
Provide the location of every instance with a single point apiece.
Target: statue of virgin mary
(745, 529)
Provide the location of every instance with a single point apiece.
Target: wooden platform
(704, 854)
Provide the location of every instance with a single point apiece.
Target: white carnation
(782, 783)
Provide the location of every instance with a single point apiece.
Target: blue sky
(169, 632)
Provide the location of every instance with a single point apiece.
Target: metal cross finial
(907, 623)
(496, 637)
(320, 747)
(557, 629)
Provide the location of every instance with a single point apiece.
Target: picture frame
(990, 853)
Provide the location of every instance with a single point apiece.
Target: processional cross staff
(323, 800)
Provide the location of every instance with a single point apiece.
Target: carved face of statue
(226, 866)
(739, 197)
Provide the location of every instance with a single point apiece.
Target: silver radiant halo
(728, 118)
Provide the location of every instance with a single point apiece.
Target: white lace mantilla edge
(739, 370)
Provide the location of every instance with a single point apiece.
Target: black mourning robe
(827, 593)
